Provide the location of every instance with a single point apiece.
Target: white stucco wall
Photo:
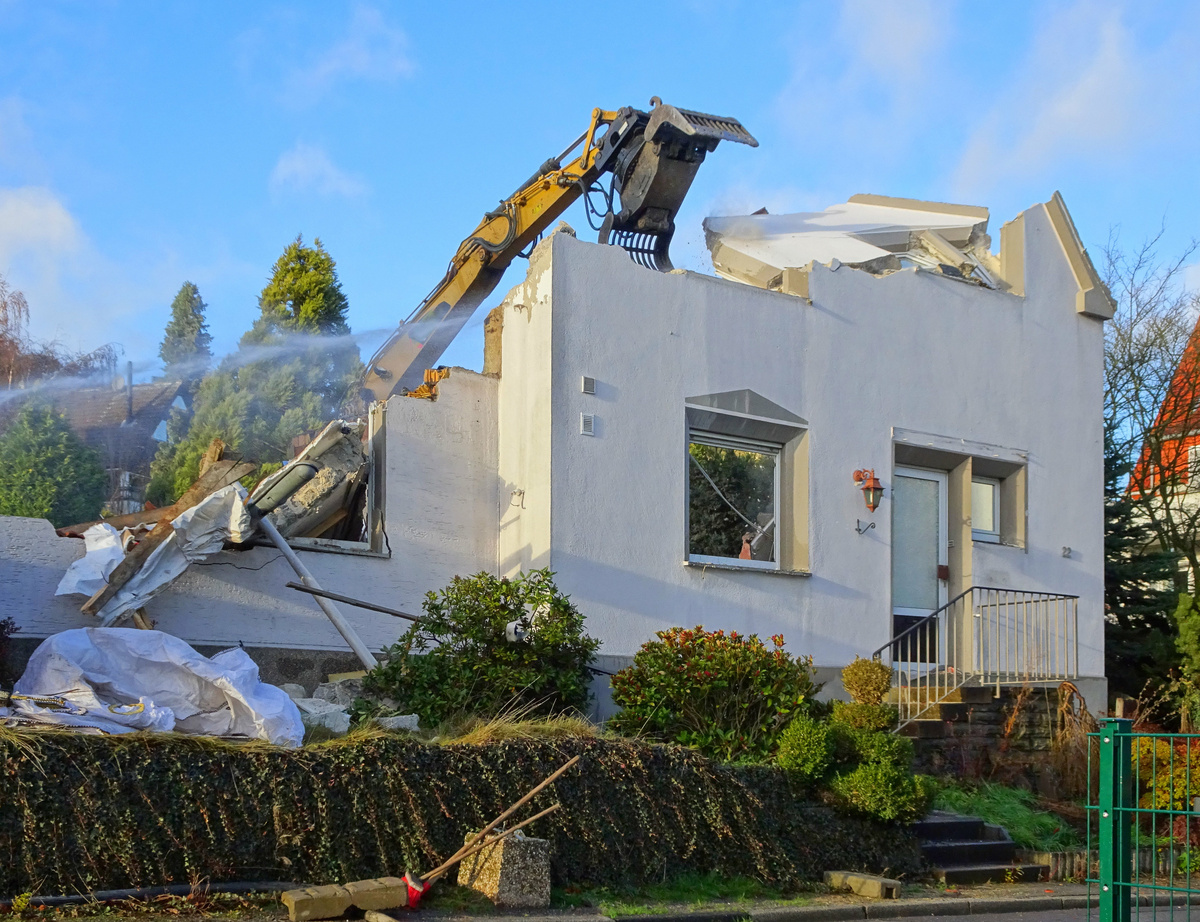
(910, 350)
(441, 515)
(869, 355)
(524, 399)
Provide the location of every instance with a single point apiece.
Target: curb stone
(883, 909)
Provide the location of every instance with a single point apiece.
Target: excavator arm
(653, 156)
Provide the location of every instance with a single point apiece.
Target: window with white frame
(985, 509)
(733, 500)
(747, 483)
(1193, 463)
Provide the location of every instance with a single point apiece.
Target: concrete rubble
(332, 494)
(873, 233)
(329, 707)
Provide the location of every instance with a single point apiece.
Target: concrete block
(378, 893)
(515, 872)
(328, 902)
(342, 692)
(293, 690)
(402, 722)
(879, 888)
(314, 712)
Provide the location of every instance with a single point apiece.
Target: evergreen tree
(1140, 594)
(46, 470)
(185, 348)
(292, 372)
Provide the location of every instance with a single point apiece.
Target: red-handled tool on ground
(419, 884)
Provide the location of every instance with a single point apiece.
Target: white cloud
(307, 168)
(1081, 93)
(77, 296)
(862, 86)
(33, 222)
(370, 50)
(1191, 277)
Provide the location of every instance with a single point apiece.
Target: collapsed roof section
(872, 232)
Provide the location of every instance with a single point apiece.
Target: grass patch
(688, 891)
(479, 731)
(1012, 808)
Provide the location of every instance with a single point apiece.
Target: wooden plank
(218, 475)
(129, 520)
(152, 516)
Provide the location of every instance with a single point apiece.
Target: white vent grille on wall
(589, 385)
(587, 424)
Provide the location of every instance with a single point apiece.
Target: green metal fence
(1144, 822)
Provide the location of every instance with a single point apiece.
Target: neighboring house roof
(92, 409)
(1176, 426)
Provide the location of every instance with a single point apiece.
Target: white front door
(920, 554)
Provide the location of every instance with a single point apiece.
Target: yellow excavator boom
(653, 157)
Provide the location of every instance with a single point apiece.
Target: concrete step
(992, 873)
(949, 827)
(967, 694)
(968, 852)
(947, 710)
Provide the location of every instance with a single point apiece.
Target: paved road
(1144, 914)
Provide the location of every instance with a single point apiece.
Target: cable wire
(724, 499)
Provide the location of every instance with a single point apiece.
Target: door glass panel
(915, 542)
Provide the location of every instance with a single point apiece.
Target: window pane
(916, 542)
(720, 481)
(983, 506)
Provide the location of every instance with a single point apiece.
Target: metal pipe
(357, 603)
(339, 620)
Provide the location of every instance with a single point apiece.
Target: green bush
(865, 716)
(805, 748)
(83, 813)
(725, 694)
(867, 681)
(883, 791)
(876, 747)
(47, 471)
(457, 660)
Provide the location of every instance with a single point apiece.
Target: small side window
(985, 509)
(733, 501)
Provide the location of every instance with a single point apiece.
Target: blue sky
(144, 144)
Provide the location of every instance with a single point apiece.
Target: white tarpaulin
(198, 532)
(120, 679)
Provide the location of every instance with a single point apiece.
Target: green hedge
(83, 813)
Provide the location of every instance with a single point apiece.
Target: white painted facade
(495, 474)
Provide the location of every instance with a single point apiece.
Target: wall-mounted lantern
(872, 489)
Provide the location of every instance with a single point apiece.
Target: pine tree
(46, 470)
(293, 372)
(185, 348)
(1140, 594)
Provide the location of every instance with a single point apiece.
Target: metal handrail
(908, 630)
(891, 643)
(1005, 636)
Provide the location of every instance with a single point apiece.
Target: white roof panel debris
(871, 232)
